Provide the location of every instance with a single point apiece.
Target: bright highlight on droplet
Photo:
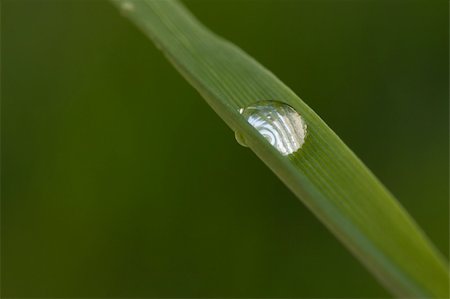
(278, 122)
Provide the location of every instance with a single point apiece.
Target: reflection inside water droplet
(278, 122)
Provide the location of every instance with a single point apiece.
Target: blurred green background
(119, 181)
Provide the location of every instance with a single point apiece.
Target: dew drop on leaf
(278, 123)
(240, 139)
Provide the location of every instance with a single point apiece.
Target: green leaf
(324, 174)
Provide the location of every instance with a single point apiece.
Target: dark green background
(119, 181)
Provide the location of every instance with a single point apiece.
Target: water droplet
(278, 122)
(240, 139)
(127, 7)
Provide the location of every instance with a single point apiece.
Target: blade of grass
(325, 174)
